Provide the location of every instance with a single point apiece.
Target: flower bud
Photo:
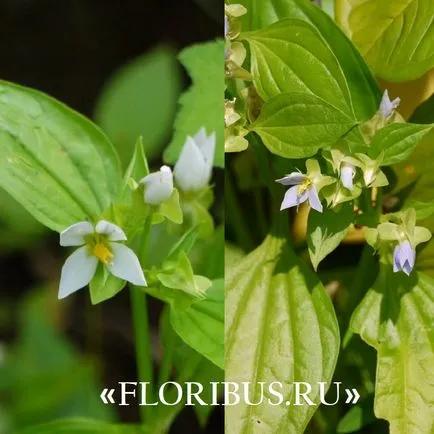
(158, 186)
(193, 169)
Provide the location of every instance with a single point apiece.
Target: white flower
(158, 186)
(193, 169)
(98, 244)
(387, 106)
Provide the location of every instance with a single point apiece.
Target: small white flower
(193, 169)
(97, 244)
(387, 106)
(158, 186)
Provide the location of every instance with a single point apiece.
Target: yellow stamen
(102, 253)
(305, 185)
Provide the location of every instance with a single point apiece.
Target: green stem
(166, 363)
(139, 308)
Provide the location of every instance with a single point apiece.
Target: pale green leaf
(297, 125)
(280, 326)
(104, 285)
(395, 317)
(397, 141)
(55, 162)
(203, 104)
(326, 230)
(396, 37)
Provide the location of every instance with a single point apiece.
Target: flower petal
(113, 232)
(191, 170)
(74, 235)
(387, 106)
(407, 268)
(294, 178)
(290, 199)
(126, 265)
(77, 271)
(396, 259)
(314, 201)
(158, 186)
(347, 176)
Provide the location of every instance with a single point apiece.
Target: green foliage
(395, 37)
(56, 163)
(201, 326)
(202, 105)
(395, 317)
(326, 230)
(140, 100)
(397, 141)
(280, 326)
(297, 125)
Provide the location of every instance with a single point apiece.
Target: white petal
(208, 149)
(113, 232)
(347, 175)
(158, 186)
(314, 201)
(293, 178)
(126, 265)
(200, 138)
(387, 106)
(74, 235)
(291, 198)
(191, 170)
(77, 271)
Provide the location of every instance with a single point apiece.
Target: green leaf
(423, 209)
(397, 141)
(396, 37)
(140, 100)
(290, 56)
(81, 426)
(296, 125)
(55, 162)
(326, 230)
(363, 88)
(104, 285)
(202, 105)
(357, 417)
(280, 326)
(137, 168)
(201, 326)
(395, 317)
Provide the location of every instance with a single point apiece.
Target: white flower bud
(193, 169)
(158, 186)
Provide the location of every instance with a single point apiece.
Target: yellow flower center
(102, 253)
(304, 186)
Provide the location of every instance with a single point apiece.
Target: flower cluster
(103, 244)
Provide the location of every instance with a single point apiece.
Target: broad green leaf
(396, 37)
(202, 105)
(364, 91)
(397, 141)
(55, 162)
(140, 100)
(357, 417)
(326, 230)
(395, 317)
(280, 326)
(82, 426)
(201, 325)
(297, 125)
(290, 56)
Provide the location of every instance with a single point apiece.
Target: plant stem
(139, 308)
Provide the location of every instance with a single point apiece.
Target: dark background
(68, 49)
